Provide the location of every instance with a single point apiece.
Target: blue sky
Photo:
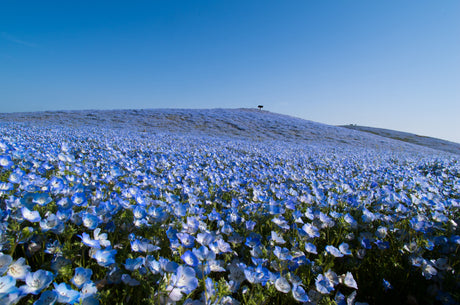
(390, 64)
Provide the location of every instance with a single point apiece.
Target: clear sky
(392, 63)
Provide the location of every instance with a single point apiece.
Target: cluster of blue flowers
(89, 216)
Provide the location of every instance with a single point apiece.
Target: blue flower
(311, 230)
(278, 239)
(37, 281)
(204, 238)
(299, 293)
(386, 285)
(334, 251)
(344, 249)
(6, 162)
(186, 240)
(282, 285)
(81, 276)
(323, 284)
(19, 269)
(66, 294)
(7, 285)
(128, 280)
(48, 297)
(86, 239)
(105, 257)
(183, 281)
(190, 258)
(5, 261)
(90, 221)
(282, 254)
(78, 199)
(132, 264)
(32, 216)
(348, 280)
(310, 248)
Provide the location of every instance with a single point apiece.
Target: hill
(434, 143)
(246, 124)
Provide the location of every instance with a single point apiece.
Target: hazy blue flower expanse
(102, 215)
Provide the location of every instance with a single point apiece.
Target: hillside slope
(434, 143)
(247, 124)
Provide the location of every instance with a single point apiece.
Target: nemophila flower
(105, 257)
(190, 258)
(48, 297)
(89, 300)
(204, 254)
(428, 270)
(16, 177)
(32, 216)
(7, 285)
(113, 276)
(411, 247)
(81, 277)
(455, 239)
(278, 239)
(90, 221)
(86, 239)
(204, 238)
(88, 288)
(348, 280)
(334, 251)
(78, 199)
(59, 262)
(282, 253)
(281, 222)
(6, 162)
(249, 224)
(53, 247)
(226, 229)
(64, 203)
(311, 230)
(66, 294)
(367, 216)
(139, 212)
(132, 264)
(345, 249)
(366, 243)
(52, 223)
(101, 237)
(128, 280)
(381, 232)
(19, 270)
(211, 288)
(42, 199)
(167, 265)
(215, 266)
(143, 245)
(222, 246)
(192, 225)
(386, 285)
(323, 284)
(5, 261)
(5, 187)
(37, 281)
(152, 264)
(382, 245)
(186, 240)
(282, 285)
(299, 294)
(326, 221)
(310, 248)
(183, 281)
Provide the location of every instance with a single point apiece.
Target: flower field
(106, 216)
